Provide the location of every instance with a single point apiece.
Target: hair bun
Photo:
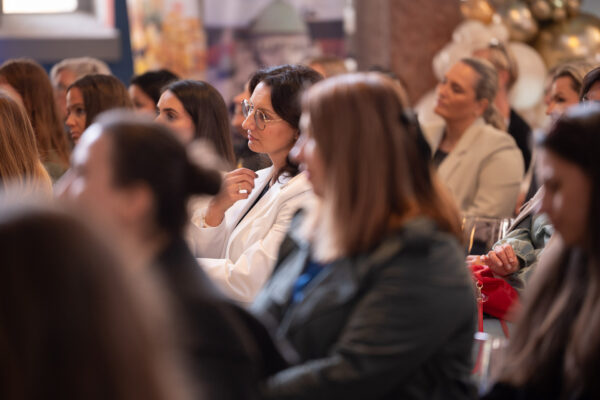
(200, 180)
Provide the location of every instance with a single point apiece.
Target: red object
(498, 296)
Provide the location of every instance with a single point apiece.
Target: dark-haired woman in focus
(73, 322)
(133, 178)
(476, 159)
(31, 82)
(554, 352)
(145, 89)
(196, 110)
(89, 96)
(242, 227)
(370, 295)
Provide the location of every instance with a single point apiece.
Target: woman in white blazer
(238, 234)
(479, 163)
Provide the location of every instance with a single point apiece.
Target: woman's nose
(248, 122)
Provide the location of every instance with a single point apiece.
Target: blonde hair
(486, 88)
(575, 70)
(503, 59)
(20, 166)
(376, 178)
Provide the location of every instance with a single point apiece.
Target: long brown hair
(20, 165)
(73, 324)
(30, 80)
(101, 93)
(376, 178)
(556, 345)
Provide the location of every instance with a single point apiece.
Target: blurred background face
(594, 93)
(141, 101)
(63, 80)
(76, 114)
(88, 184)
(238, 117)
(172, 113)
(561, 97)
(566, 197)
(456, 94)
(307, 153)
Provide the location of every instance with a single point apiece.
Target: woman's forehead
(261, 97)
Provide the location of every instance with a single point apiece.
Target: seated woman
(31, 82)
(565, 87)
(515, 257)
(370, 296)
(20, 165)
(241, 229)
(74, 324)
(145, 89)
(554, 352)
(196, 110)
(133, 178)
(480, 164)
(88, 97)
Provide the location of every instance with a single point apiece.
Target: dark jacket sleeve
(408, 313)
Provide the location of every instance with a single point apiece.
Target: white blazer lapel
(259, 185)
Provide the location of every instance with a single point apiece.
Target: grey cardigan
(396, 323)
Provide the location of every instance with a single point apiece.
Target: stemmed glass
(480, 233)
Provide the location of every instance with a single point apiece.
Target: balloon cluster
(556, 28)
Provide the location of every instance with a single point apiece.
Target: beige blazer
(239, 256)
(483, 171)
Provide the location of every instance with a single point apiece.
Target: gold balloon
(541, 9)
(559, 13)
(573, 7)
(576, 38)
(521, 25)
(480, 10)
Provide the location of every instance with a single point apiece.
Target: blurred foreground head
(73, 324)
(133, 176)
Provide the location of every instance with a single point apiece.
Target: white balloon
(528, 90)
(448, 56)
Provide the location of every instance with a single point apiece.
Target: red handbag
(496, 297)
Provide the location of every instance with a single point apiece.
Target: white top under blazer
(239, 256)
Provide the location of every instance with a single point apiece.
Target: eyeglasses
(260, 117)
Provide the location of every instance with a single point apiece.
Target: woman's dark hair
(144, 152)
(556, 339)
(101, 93)
(287, 82)
(208, 111)
(72, 323)
(589, 79)
(153, 82)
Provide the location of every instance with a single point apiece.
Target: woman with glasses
(196, 110)
(240, 231)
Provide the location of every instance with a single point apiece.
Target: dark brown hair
(287, 82)
(146, 152)
(72, 325)
(589, 79)
(30, 80)
(209, 113)
(101, 93)
(556, 345)
(392, 181)
(153, 82)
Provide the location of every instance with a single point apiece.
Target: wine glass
(481, 233)
(489, 354)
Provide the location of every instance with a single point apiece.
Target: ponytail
(492, 116)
